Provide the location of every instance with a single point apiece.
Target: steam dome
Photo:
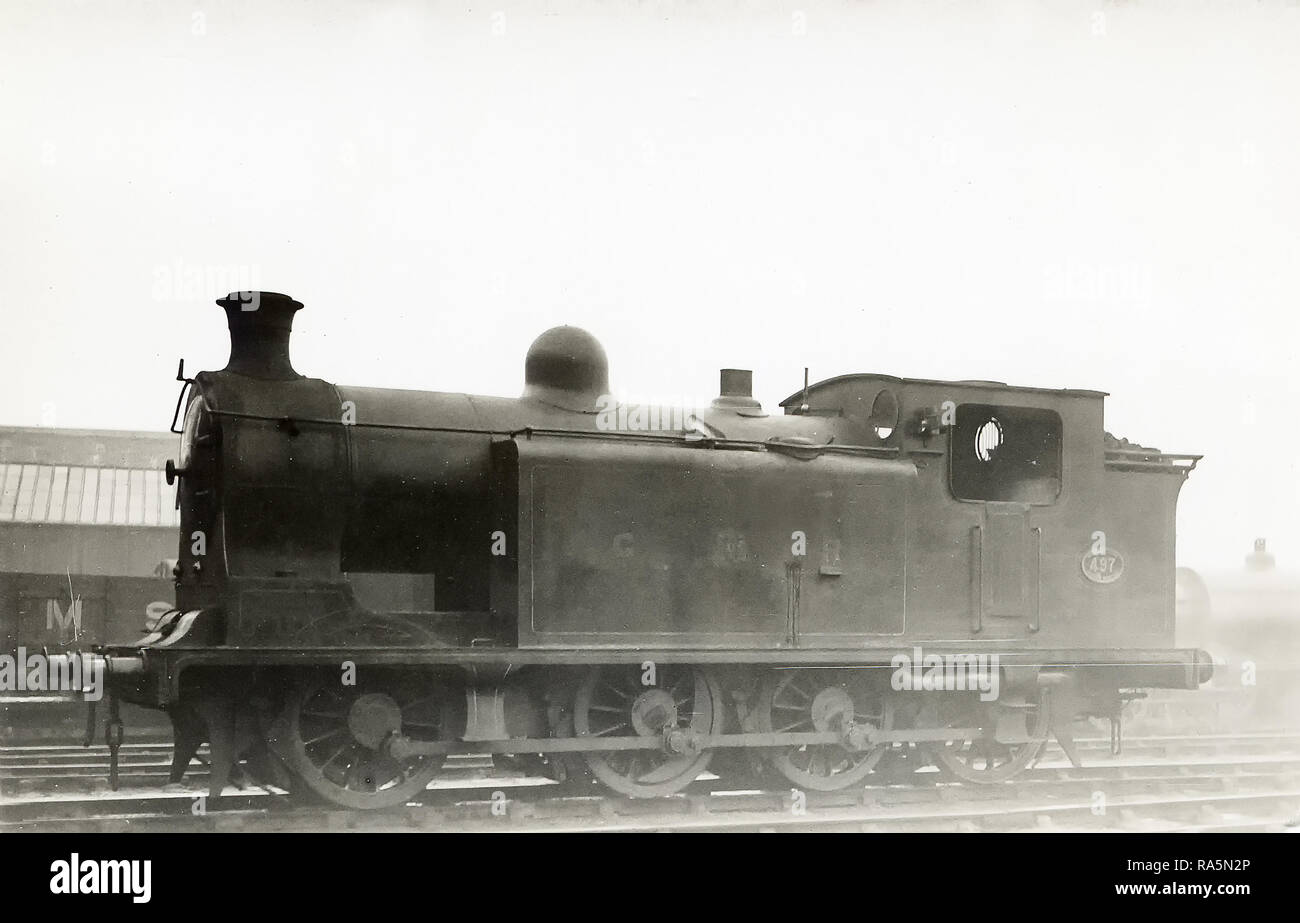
(566, 366)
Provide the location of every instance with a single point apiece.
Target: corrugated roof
(93, 448)
(86, 496)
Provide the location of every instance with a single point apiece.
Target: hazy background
(1091, 195)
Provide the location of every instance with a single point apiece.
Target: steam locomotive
(369, 580)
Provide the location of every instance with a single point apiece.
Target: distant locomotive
(1249, 617)
(369, 580)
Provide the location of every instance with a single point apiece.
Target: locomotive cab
(1030, 523)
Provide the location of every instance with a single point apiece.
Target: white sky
(1066, 195)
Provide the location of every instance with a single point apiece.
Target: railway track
(34, 767)
(38, 768)
(1160, 782)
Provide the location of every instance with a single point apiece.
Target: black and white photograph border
(619, 416)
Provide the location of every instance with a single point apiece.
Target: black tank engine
(892, 569)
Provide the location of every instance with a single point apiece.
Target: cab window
(1005, 454)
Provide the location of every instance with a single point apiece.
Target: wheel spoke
(684, 696)
(419, 701)
(321, 751)
(813, 700)
(612, 727)
(337, 754)
(983, 759)
(325, 736)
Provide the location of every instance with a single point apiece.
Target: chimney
(260, 323)
(1260, 558)
(736, 391)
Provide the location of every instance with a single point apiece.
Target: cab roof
(797, 397)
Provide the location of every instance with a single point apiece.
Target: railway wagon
(86, 521)
(368, 580)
